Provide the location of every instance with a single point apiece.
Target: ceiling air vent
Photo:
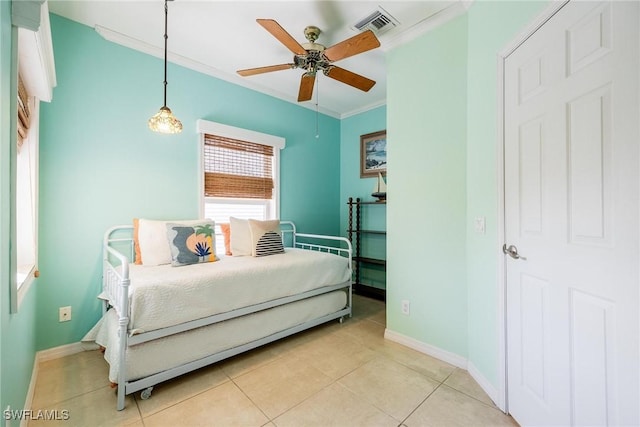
(379, 21)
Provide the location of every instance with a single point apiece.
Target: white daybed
(161, 322)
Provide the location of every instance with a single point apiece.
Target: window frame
(31, 142)
(32, 57)
(219, 129)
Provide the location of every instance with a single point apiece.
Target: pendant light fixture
(164, 121)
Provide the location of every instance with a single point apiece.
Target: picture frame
(373, 154)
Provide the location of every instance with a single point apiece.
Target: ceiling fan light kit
(164, 121)
(313, 57)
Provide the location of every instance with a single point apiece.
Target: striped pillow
(265, 237)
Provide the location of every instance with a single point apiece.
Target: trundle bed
(160, 322)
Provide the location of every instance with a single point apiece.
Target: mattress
(158, 355)
(162, 296)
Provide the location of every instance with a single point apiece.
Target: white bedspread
(162, 296)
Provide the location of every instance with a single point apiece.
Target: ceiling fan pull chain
(317, 101)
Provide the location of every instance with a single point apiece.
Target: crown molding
(428, 24)
(363, 109)
(144, 47)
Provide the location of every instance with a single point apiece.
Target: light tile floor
(333, 375)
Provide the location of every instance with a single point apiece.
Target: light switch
(480, 225)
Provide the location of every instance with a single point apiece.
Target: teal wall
(5, 185)
(18, 351)
(17, 331)
(492, 25)
(100, 165)
(427, 122)
(351, 185)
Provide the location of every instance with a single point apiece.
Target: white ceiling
(220, 37)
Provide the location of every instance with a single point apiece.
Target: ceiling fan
(314, 57)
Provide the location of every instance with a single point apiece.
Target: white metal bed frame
(115, 290)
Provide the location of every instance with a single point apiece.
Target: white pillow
(152, 239)
(240, 237)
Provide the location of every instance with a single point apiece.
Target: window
(26, 196)
(26, 186)
(34, 82)
(240, 174)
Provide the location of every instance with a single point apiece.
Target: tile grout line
(48, 404)
(334, 381)
(300, 403)
(492, 405)
(420, 404)
(252, 402)
(179, 402)
(440, 384)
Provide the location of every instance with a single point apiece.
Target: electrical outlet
(406, 307)
(64, 314)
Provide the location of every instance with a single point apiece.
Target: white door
(571, 209)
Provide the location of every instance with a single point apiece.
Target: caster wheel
(146, 393)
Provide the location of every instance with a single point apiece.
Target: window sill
(25, 278)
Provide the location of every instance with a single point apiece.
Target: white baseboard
(451, 358)
(44, 356)
(28, 402)
(486, 385)
(438, 353)
(58, 352)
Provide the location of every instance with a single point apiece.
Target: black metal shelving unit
(356, 233)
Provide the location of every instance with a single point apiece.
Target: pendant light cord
(164, 121)
(166, 13)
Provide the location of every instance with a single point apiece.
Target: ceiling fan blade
(306, 87)
(350, 78)
(280, 33)
(267, 69)
(357, 44)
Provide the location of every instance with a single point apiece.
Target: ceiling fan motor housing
(313, 61)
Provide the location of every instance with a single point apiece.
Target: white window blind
(220, 210)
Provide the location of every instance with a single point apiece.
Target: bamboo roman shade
(23, 112)
(237, 169)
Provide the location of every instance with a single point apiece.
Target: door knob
(512, 251)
